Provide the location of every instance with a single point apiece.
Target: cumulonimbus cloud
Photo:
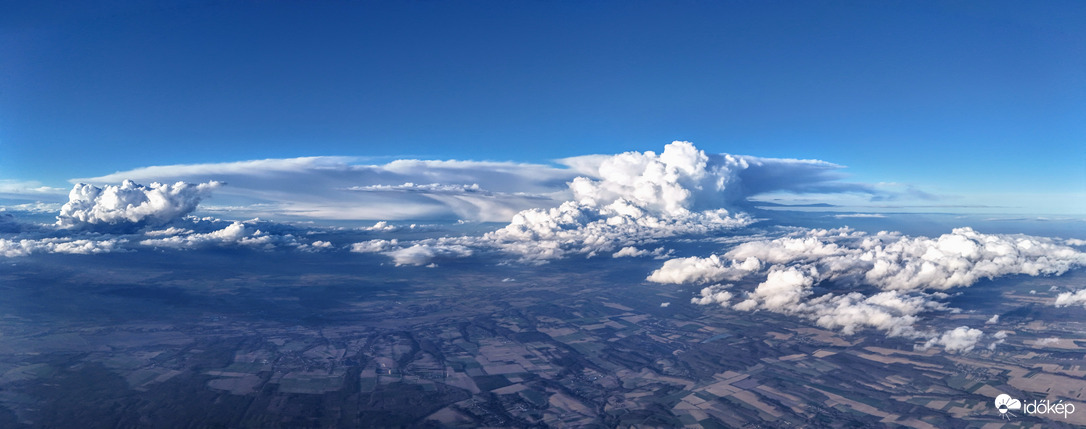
(130, 204)
(627, 199)
(338, 188)
(634, 198)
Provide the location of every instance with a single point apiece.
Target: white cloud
(891, 312)
(236, 233)
(627, 199)
(384, 226)
(375, 246)
(337, 188)
(423, 254)
(316, 246)
(634, 252)
(906, 274)
(715, 294)
(171, 231)
(334, 188)
(888, 260)
(958, 340)
(859, 215)
(1001, 337)
(28, 189)
(417, 253)
(130, 204)
(24, 247)
(1066, 299)
(35, 207)
(703, 270)
(1047, 341)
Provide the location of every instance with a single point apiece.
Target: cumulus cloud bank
(24, 247)
(905, 273)
(236, 233)
(130, 204)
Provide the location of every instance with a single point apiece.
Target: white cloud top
(130, 204)
(628, 199)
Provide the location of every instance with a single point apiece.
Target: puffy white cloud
(1047, 341)
(703, 270)
(634, 252)
(417, 253)
(958, 340)
(715, 294)
(24, 247)
(375, 246)
(782, 289)
(236, 233)
(905, 273)
(171, 231)
(423, 254)
(891, 312)
(631, 198)
(1000, 338)
(321, 244)
(130, 204)
(1066, 299)
(538, 235)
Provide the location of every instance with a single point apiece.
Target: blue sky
(974, 101)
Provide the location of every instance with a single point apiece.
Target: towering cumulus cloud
(889, 279)
(627, 199)
(130, 204)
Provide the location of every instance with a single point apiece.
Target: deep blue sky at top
(967, 96)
